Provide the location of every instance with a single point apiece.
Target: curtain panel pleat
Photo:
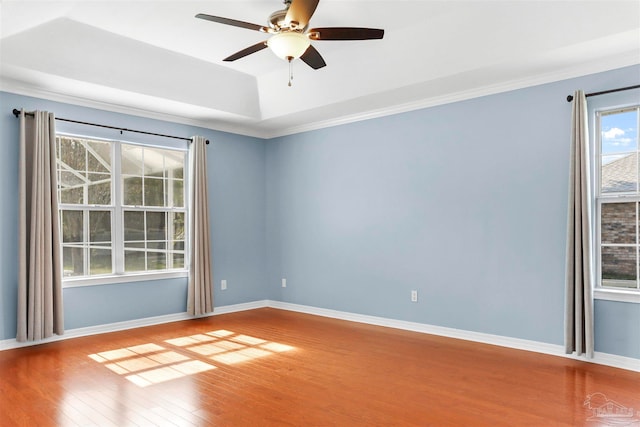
(40, 308)
(200, 285)
(579, 335)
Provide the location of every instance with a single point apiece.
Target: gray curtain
(200, 287)
(579, 281)
(40, 310)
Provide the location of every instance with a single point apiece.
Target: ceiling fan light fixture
(289, 44)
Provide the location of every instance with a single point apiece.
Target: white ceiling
(154, 58)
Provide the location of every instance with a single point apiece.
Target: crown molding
(620, 61)
(261, 132)
(20, 88)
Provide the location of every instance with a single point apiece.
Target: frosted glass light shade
(289, 44)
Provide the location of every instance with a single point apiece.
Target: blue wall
(465, 202)
(237, 199)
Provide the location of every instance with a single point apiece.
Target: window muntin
(122, 207)
(618, 199)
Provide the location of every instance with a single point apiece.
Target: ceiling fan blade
(345, 33)
(300, 11)
(312, 58)
(233, 22)
(248, 51)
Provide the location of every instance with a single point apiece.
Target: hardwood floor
(269, 367)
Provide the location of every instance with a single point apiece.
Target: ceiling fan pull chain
(290, 70)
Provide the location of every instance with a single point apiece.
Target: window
(122, 207)
(618, 199)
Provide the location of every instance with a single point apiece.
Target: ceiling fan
(290, 34)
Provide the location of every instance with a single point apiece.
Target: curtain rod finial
(16, 112)
(569, 98)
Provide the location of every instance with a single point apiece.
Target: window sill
(617, 295)
(71, 282)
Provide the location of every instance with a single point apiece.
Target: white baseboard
(515, 343)
(131, 324)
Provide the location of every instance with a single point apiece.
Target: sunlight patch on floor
(229, 348)
(151, 363)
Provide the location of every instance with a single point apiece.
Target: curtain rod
(570, 97)
(16, 113)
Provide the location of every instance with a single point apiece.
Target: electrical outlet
(414, 296)
(284, 283)
(223, 284)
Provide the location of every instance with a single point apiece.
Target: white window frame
(606, 292)
(117, 211)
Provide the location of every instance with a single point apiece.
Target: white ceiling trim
(596, 66)
(19, 88)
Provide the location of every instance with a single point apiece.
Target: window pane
(71, 185)
(178, 173)
(178, 225)
(73, 153)
(154, 173)
(100, 261)
(174, 162)
(99, 226)
(153, 192)
(619, 145)
(84, 171)
(134, 261)
(100, 194)
(68, 178)
(156, 261)
(619, 132)
(133, 225)
(132, 191)
(131, 160)
(619, 266)
(156, 226)
(134, 245)
(99, 156)
(618, 223)
(178, 260)
(98, 177)
(157, 245)
(154, 162)
(72, 260)
(72, 227)
(178, 193)
(72, 196)
(619, 173)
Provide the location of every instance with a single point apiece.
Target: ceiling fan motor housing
(276, 20)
